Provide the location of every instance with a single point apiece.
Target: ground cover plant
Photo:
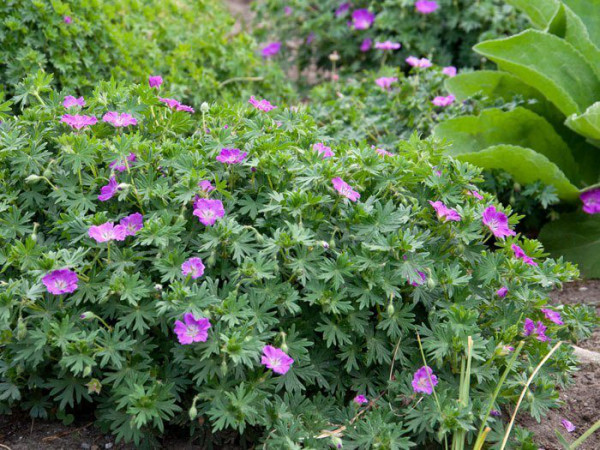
(191, 44)
(228, 270)
(364, 34)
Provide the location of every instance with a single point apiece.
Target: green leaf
(525, 165)
(575, 236)
(583, 8)
(588, 123)
(540, 12)
(550, 64)
(519, 127)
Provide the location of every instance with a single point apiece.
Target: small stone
(85, 445)
(583, 288)
(109, 445)
(94, 447)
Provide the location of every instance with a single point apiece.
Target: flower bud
(88, 315)
(87, 371)
(193, 412)
(390, 309)
(204, 107)
(335, 56)
(32, 179)
(431, 282)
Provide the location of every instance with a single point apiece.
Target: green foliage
(292, 264)
(192, 44)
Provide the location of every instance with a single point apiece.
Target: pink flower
(60, 281)
(132, 223)
(78, 122)
(193, 267)
(383, 153)
(553, 316)
(262, 105)
(366, 45)
(271, 49)
(344, 188)
(310, 38)
(497, 222)
(191, 329)
(231, 156)
(276, 360)
(208, 211)
(475, 194)
(387, 45)
(186, 108)
(495, 413)
(535, 329)
(170, 102)
(443, 212)
(155, 81)
(424, 380)
(502, 292)
(591, 201)
(119, 120)
(422, 63)
(121, 165)
(342, 9)
(67, 20)
(568, 425)
(108, 191)
(443, 101)
(385, 82)
(360, 400)
(71, 101)
(450, 71)
(423, 278)
(206, 186)
(426, 6)
(520, 254)
(362, 19)
(107, 232)
(323, 150)
(288, 10)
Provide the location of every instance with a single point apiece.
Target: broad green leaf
(588, 123)
(589, 13)
(525, 165)
(548, 63)
(540, 12)
(519, 127)
(575, 236)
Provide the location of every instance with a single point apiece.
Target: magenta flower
(78, 122)
(119, 120)
(344, 188)
(342, 9)
(450, 71)
(186, 108)
(443, 101)
(475, 194)
(271, 49)
(262, 105)
(508, 349)
(288, 10)
(497, 222)
(193, 267)
(67, 20)
(495, 413)
(422, 63)
(108, 191)
(366, 45)
(107, 232)
(422, 281)
(502, 292)
(120, 165)
(362, 19)
(170, 102)
(553, 316)
(310, 38)
(520, 254)
(206, 186)
(208, 211)
(191, 329)
(71, 101)
(360, 400)
(537, 330)
(60, 281)
(132, 223)
(155, 81)
(424, 380)
(276, 360)
(591, 201)
(426, 6)
(385, 82)
(383, 153)
(323, 150)
(445, 213)
(231, 156)
(387, 45)
(568, 425)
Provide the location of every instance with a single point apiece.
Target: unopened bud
(32, 179)
(335, 56)
(204, 107)
(193, 412)
(390, 309)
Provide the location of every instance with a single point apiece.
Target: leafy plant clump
(310, 32)
(192, 44)
(227, 270)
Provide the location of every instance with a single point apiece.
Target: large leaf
(540, 12)
(548, 63)
(589, 12)
(519, 127)
(576, 237)
(525, 165)
(588, 123)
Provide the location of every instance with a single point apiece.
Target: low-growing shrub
(192, 44)
(229, 270)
